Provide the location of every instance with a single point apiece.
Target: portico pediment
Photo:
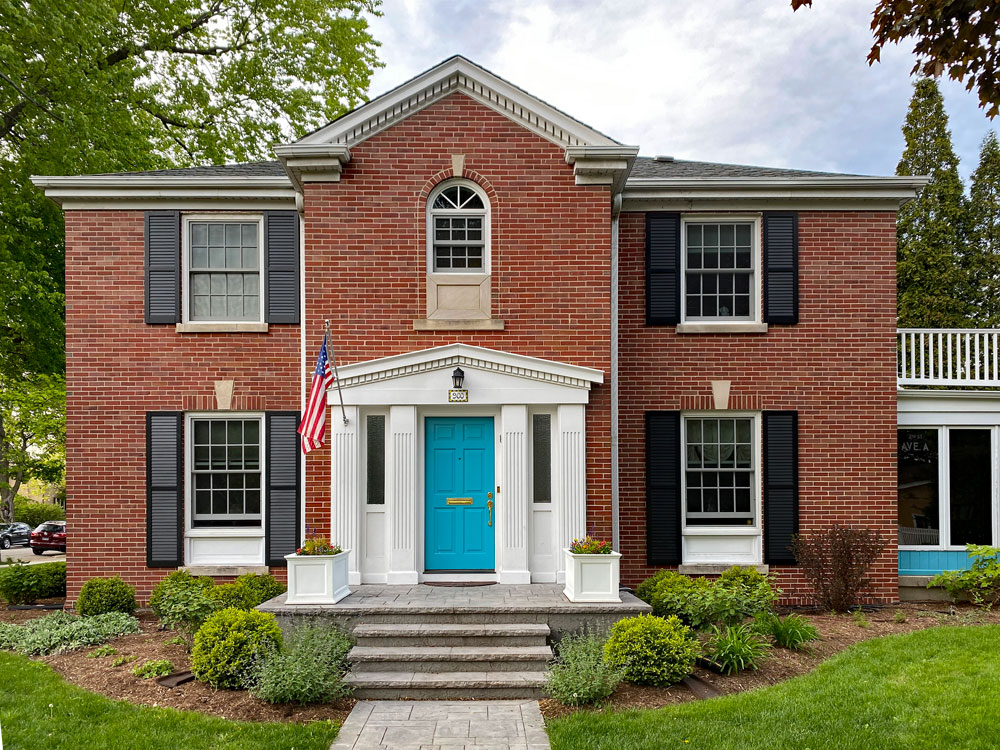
(491, 377)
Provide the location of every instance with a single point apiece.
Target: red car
(49, 535)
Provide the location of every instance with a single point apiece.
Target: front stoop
(449, 660)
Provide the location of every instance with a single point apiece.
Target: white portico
(534, 466)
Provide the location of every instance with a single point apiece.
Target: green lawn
(936, 688)
(80, 719)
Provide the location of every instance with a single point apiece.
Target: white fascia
(652, 193)
(313, 162)
(152, 191)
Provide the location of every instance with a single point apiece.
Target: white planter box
(592, 578)
(317, 579)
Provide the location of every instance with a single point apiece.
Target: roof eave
(882, 189)
(94, 189)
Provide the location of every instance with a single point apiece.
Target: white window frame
(190, 529)
(944, 485)
(550, 412)
(756, 484)
(703, 324)
(364, 459)
(484, 212)
(186, 221)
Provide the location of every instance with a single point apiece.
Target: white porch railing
(957, 357)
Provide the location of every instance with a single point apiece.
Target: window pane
(970, 487)
(917, 494)
(541, 458)
(376, 459)
(226, 472)
(249, 238)
(719, 471)
(199, 235)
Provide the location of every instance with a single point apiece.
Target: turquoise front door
(460, 518)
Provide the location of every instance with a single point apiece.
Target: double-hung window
(458, 216)
(223, 261)
(721, 270)
(720, 470)
(226, 461)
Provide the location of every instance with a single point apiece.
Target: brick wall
(366, 260)
(117, 369)
(836, 367)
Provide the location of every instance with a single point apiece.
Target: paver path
(443, 725)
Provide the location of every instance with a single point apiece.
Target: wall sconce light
(458, 394)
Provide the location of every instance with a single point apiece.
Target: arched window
(458, 229)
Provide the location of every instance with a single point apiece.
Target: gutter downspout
(616, 208)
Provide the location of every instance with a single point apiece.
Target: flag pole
(336, 375)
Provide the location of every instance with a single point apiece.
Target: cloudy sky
(744, 81)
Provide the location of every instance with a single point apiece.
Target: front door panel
(459, 535)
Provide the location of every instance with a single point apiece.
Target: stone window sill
(225, 570)
(221, 328)
(447, 324)
(722, 327)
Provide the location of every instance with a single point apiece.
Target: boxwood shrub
(652, 650)
(229, 647)
(101, 595)
(701, 602)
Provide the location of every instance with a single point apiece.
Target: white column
(345, 488)
(402, 494)
(571, 469)
(512, 503)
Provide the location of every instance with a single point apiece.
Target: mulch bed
(837, 632)
(118, 683)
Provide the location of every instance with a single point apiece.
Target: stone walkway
(444, 725)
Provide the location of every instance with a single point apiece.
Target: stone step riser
(447, 693)
(446, 666)
(451, 640)
(445, 617)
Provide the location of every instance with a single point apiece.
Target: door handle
(489, 507)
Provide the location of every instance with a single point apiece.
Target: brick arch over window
(436, 292)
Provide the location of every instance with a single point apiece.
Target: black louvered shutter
(283, 493)
(164, 488)
(663, 487)
(781, 485)
(163, 267)
(663, 268)
(281, 256)
(781, 267)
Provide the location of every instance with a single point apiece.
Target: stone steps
(444, 659)
(445, 685)
(450, 658)
(451, 634)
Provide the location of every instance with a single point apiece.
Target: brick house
(695, 360)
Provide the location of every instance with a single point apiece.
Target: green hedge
(231, 644)
(26, 584)
(102, 595)
(33, 514)
(651, 650)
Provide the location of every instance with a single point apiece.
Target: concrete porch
(447, 642)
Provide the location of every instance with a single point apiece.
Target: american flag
(313, 426)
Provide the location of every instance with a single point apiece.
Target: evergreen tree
(984, 219)
(931, 263)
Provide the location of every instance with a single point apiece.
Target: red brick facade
(365, 270)
(836, 367)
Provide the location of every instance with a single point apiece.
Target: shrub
(259, 588)
(176, 579)
(651, 650)
(582, 675)
(836, 563)
(735, 648)
(980, 584)
(153, 668)
(101, 595)
(699, 602)
(33, 514)
(309, 670)
(184, 605)
(52, 577)
(20, 584)
(63, 631)
(228, 595)
(230, 644)
(794, 631)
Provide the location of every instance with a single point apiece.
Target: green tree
(32, 435)
(931, 262)
(984, 220)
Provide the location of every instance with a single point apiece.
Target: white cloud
(744, 81)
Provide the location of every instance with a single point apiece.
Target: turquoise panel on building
(929, 562)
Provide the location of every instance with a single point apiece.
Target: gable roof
(457, 73)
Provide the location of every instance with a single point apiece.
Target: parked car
(49, 535)
(14, 533)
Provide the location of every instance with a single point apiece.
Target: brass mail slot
(458, 500)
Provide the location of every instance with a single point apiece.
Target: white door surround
(387, 540)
